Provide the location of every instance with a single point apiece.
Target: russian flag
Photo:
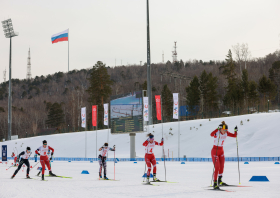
(62, 36)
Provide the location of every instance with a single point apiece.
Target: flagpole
(68, 47)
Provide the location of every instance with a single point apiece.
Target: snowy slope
(258, 137)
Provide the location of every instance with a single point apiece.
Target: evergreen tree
(253, 95)
(229, 67)
(193, 94)
(203, 87)
(167, 102)
(267, 88)
(212, 95)
(55, 115)
(100, 88)
(245, 84)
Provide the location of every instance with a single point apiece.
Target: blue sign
(4, 152)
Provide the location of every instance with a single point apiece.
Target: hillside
(257, 137)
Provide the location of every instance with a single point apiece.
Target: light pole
(149, 83)
(9, 33)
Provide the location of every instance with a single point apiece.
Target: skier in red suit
(15, 158)
(217, 152)
(149, 155)
(44, 159)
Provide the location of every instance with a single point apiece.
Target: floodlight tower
(174, 53)
(9, 33)
(28, 74)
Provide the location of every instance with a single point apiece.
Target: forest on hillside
(52, 103)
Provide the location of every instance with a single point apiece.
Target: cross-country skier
(15, 158)
(44, 160)
(49, 154)
(149, 155)
(102, 159)
(217, 152)
(24, 155)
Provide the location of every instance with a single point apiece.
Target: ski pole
(33, 166)
(215, 160)
(236, 129)
(114, 162)
(13, 165)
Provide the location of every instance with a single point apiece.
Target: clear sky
(116, 29)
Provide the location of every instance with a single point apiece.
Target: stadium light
(9, 33)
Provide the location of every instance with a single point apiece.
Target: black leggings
(23, 161)
(102, 162)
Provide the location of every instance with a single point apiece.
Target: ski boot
(148, 179)
(155, 178)
(13, 176)
(100, 176)
(27, 176)
(43, 178)
(215, 186)
(220, 182)
(105, 178)
(51, 174)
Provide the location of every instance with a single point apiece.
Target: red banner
(158, 106)
(94, 115)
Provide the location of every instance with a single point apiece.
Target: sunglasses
(151, 138)
(45, 144)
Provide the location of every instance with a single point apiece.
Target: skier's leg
(216, 163)
(105, 167)
(221, 171)
(100, 167)
(19, 167)
(42, 161)
(28, 167)
(148, 162)
(154, 162)
(48, 164)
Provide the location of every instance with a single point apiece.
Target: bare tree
(242, 54)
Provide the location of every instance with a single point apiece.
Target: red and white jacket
(149, 147)
(44, 151)
(221, 138)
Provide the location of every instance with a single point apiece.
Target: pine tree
(212, 95)
(267, 88)
(245, 84)
(253, 95)
(229, 67)
(167, 102)
(99, 89)
(193, 94)
(203, 87)
(55, 115)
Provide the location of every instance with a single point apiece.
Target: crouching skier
(44, 160)
(50, 158)
(150, 157)
(102, 159)
(24, 160)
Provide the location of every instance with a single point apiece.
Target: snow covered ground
(258, 136)
(192, 177)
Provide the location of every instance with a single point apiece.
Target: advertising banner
(146, 109)
(106, 114)
(175, 106)
(94, 115)
(4, 153)
(158, 106)
(83, 114)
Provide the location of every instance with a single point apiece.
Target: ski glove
(162, 139)
(235, 129)
(39, 154)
